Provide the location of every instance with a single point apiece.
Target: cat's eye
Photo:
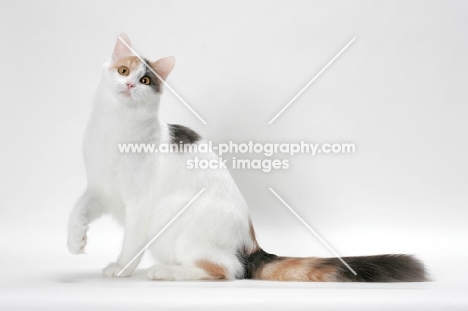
(124, 71)
(145, 80)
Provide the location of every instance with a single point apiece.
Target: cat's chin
(130, 101)
(126, 94)
(126, 97)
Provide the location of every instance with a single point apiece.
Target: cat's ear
(164, 66)
(120, 49)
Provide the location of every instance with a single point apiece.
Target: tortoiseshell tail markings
(261, 265)
(379, 268)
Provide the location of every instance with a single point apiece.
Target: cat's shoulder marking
(180, 133)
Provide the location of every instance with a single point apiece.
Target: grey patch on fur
(155, 83)
(181, 134)
(379, 268)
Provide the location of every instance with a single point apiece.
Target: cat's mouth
(127, 93)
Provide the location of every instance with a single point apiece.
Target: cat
(214, 238)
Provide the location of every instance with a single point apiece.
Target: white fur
(144, 191)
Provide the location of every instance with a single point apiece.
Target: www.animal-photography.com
(234, 155)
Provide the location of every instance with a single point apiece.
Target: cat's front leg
(135, 238)
(87, 208)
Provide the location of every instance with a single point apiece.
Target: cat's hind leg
(202, 270)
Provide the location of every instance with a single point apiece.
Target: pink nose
(130, 85)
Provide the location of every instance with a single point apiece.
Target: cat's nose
(130, 85)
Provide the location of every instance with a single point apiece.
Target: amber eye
(124, 71)
(145, 80)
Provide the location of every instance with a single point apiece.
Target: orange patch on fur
(322, 273)
(216, 272)
(131, 62)
(296, 269)
(252, 236)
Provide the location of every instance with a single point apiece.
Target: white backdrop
(399, 93)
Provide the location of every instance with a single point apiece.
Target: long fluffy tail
(380, 268)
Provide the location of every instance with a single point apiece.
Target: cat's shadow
(95, 277)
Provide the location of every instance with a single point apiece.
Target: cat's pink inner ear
(164, 66)
(120, 49)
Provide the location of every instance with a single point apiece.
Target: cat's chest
(109, 164)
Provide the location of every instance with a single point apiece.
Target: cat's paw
(77, 239)
(161, 273)
(112, 271)
(77, 246)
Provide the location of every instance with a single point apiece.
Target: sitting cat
(214, 237)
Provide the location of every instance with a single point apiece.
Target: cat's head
(133, 80)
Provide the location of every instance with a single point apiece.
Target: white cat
(213, 238)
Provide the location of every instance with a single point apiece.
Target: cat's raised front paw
(77, 241)
(77, 247)
(113, 269)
